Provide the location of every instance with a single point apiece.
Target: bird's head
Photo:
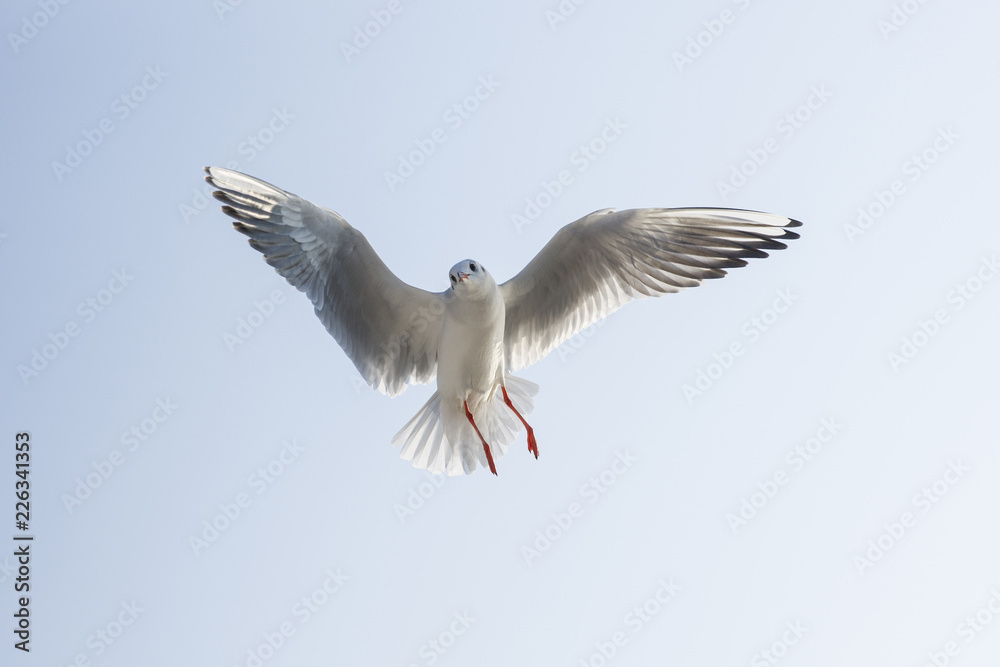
(469, 277)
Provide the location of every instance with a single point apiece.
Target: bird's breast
(470, 352)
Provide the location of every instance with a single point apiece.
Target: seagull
(474, 334)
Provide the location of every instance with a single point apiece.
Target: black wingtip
(790, 235)
(237, 215)
(209, 177)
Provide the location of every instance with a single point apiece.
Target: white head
(469, 277)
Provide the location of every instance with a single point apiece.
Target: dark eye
(472, 266)
(452, 278)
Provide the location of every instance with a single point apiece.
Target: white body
(470, 353)
(471, 371)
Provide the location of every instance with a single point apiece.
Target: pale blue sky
(821, 108)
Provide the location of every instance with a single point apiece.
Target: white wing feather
(389, 329)
(594, 266)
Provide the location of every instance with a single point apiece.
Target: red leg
(489, 457)
(532, 445)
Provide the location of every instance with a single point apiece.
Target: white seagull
(474, 334)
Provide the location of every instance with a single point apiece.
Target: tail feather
(415, 434)
(424, 440)
(521, 393)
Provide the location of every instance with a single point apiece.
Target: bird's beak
(462, 277)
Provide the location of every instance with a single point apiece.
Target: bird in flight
(475, 333)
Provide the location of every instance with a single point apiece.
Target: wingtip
(213, 173)
(789, 235)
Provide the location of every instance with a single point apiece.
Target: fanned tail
(425, 443)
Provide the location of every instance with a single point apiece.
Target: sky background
(624, 543)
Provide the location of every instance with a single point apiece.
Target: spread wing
(594, 266)
(389, 329)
